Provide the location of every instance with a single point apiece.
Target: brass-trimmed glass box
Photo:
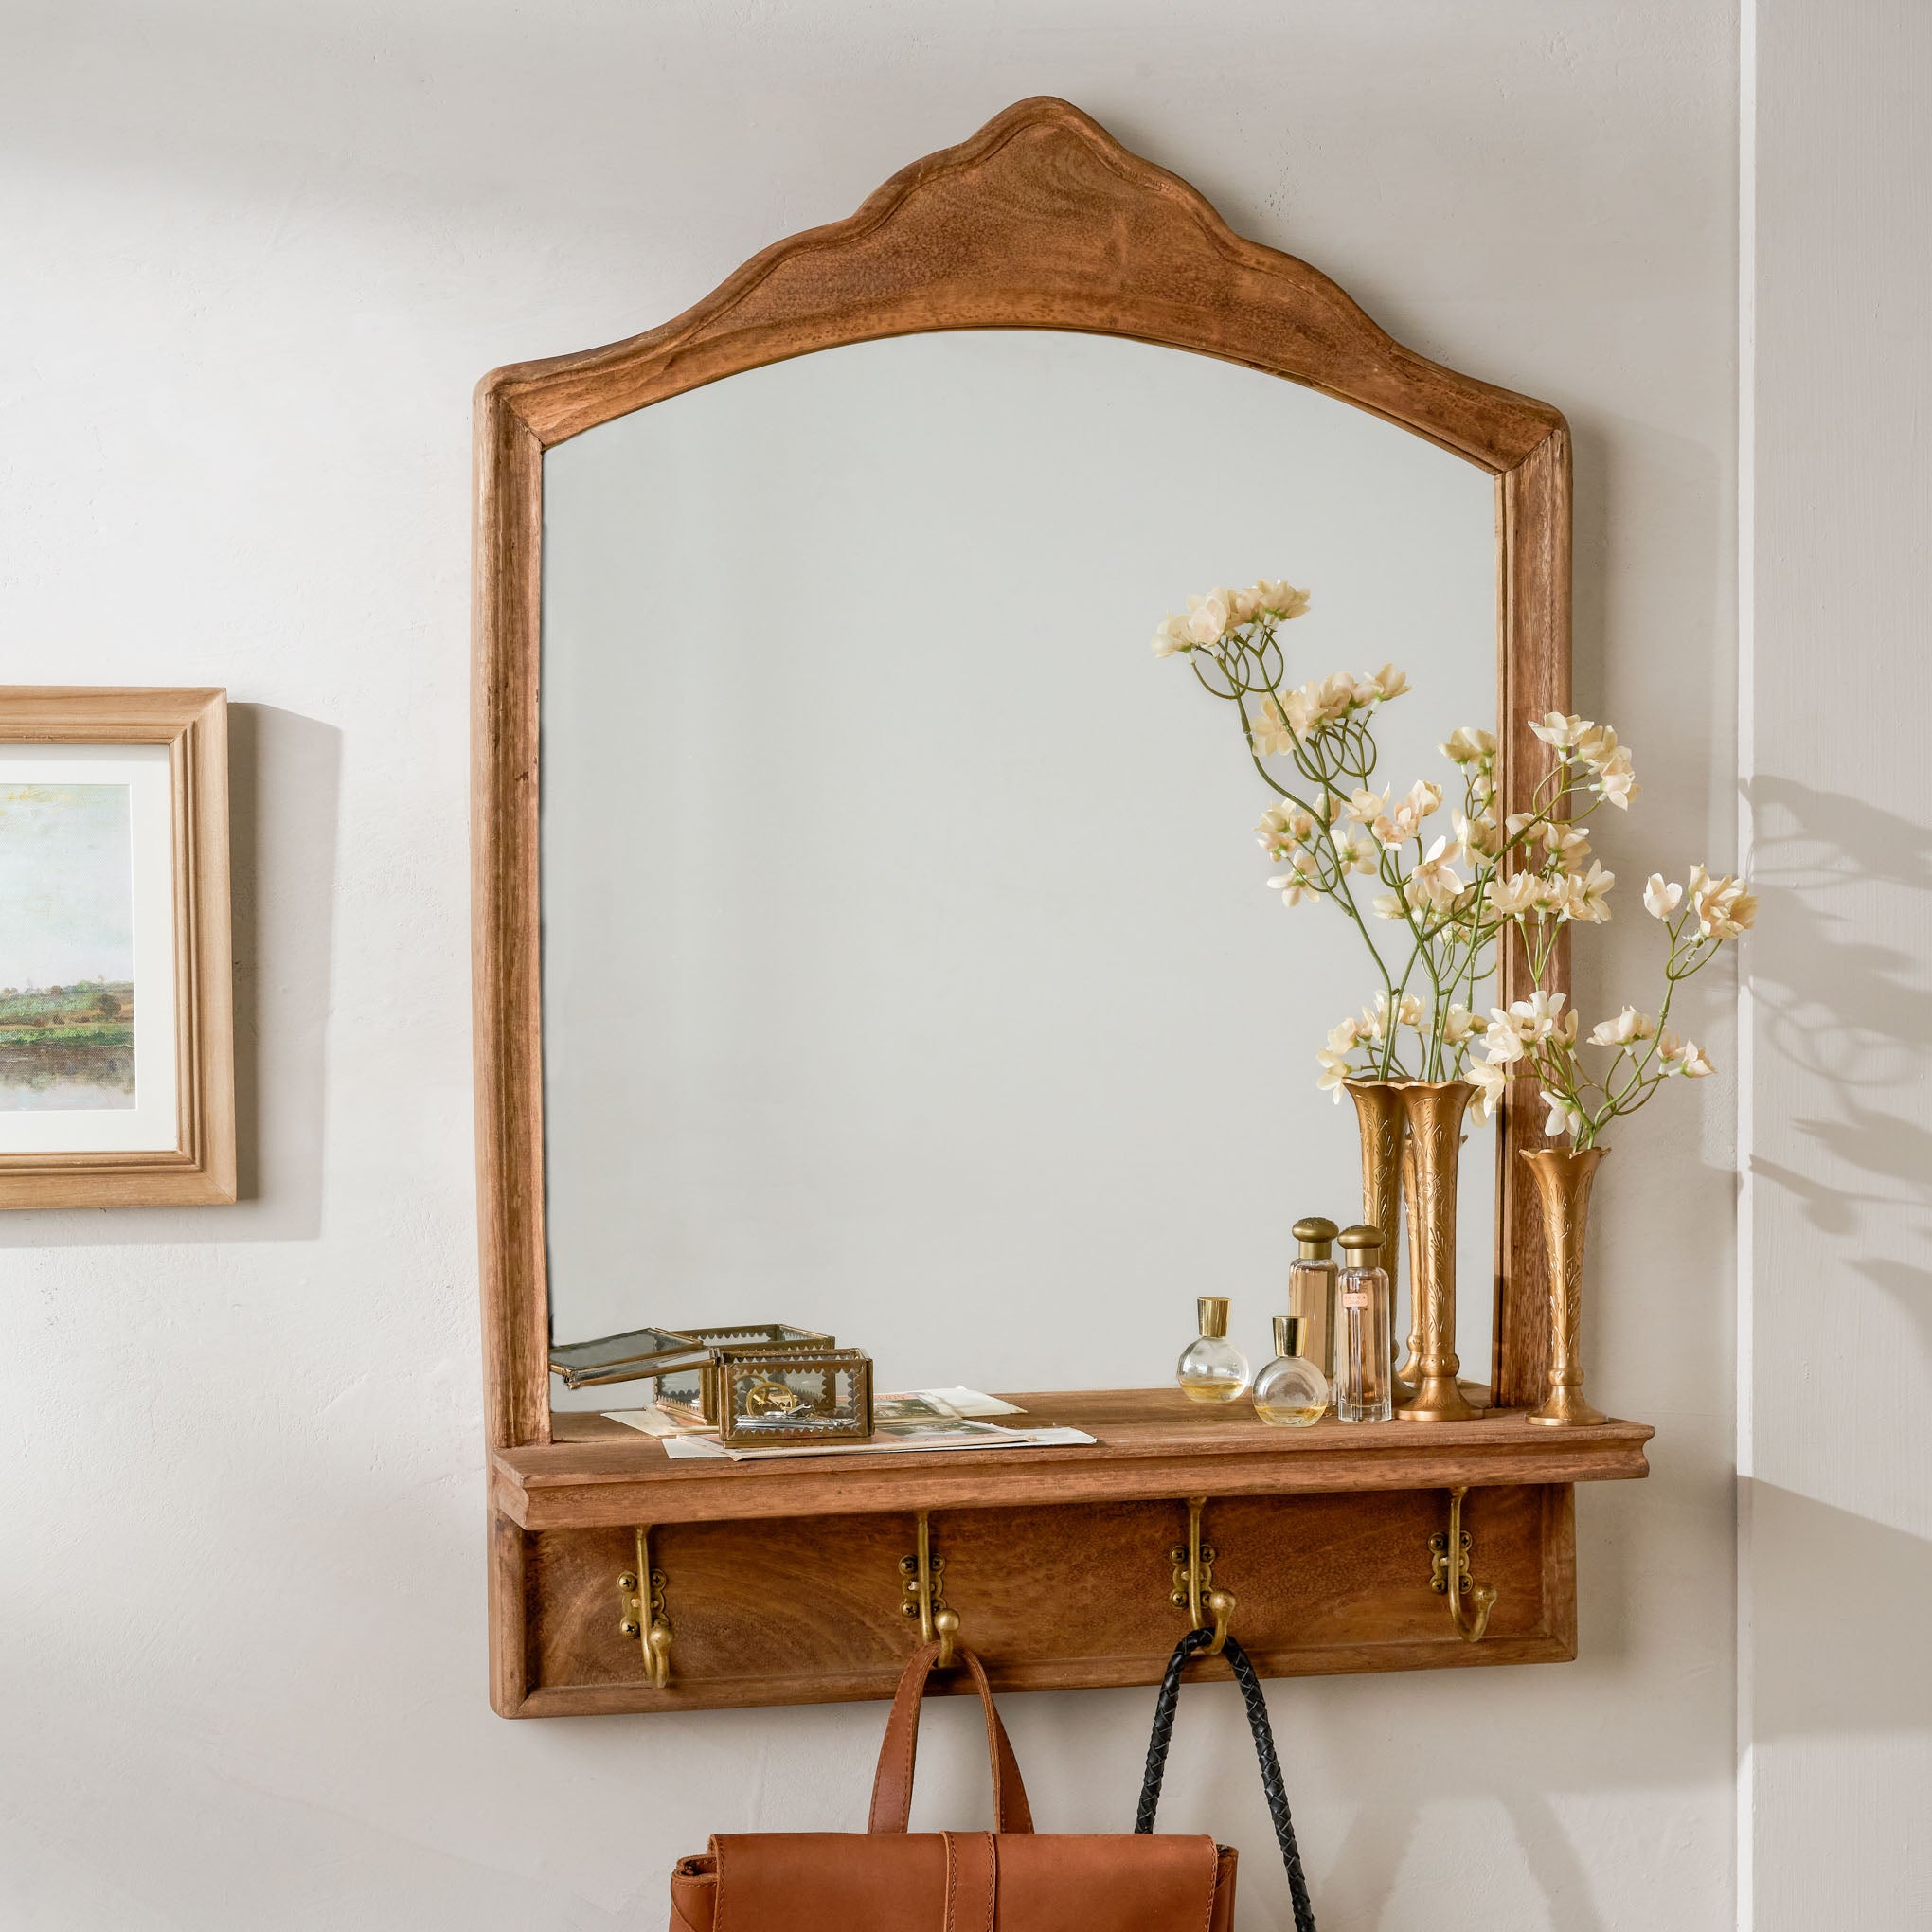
(805, 1394)
(661, 1353)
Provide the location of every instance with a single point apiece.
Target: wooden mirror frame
(1040, 221)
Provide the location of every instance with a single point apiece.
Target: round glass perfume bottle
(1291, 1392)
(1212, 1368)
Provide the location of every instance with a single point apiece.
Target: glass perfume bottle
(1363, 1380)
(1212, 1368)
(1312, 1292)
(1291, 1391)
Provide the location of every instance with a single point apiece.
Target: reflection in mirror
(909, 970)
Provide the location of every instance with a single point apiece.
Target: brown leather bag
(887, 1879)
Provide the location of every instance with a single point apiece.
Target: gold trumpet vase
(1564, 1175)
(1434, 1111)
(1385, 1164)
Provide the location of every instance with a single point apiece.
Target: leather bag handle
(1272, 1787)
(892, 1787)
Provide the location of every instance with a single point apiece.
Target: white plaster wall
(254, 257)
(1836, 1382)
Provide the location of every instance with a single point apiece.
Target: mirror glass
(910, 972)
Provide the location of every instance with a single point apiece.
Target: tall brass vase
(1384, 1135)
(1564, 1175)
(1378, 1113)
(1434, 1110)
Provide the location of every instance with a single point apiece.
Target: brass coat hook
(1449, 1576)
(924, 1573)
(642, 1592)
(1193, 1590)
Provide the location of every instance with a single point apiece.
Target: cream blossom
(1491, 1082)
(1565, 843)
(1171, 637)
(1278, 597)
(1595, 744)
(1515, 896)
(1271, 731)
(1469, 746)
(1208, 616)
(1684, 1057)
(1723, 908)
(1433, 884)
(1539, 1017)
(1344, 1034)
(1387, 905)
(1355, 852)
(1398, 827)
(1459, 1024)
(1408, 1012)
(1502, 1042)
(1617, 782)
(1334, 1070)
(1661, 899)
(1565, 1115)
(1629, 1025)
(1297, 882)
(1279, 825)
(1365, 806)
(1586, 896)
(1557, 730)
(1480, 835)
(1385, 683)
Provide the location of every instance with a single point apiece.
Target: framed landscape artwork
(117, 1007)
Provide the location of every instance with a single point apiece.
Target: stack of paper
(921, 1419)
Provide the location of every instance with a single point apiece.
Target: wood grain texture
(199, 1171)
(1533, 510)
(1151, 1443)
(1054, 1596)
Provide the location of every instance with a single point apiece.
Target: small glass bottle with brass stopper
(1212, 1368)
(1365, 1382)
(1291, 1391)
(1312, 1291)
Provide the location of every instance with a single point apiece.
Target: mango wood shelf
(1152, 1442)
(784, 1580)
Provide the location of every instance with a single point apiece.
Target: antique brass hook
(642, 1591)
(924, 1574)
(1450, 1578)
(1193, 1589)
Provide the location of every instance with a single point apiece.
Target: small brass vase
(1379, 1115)
(1564, 1175)
(1434, 1110)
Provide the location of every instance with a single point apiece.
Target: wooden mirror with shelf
(783, 1582)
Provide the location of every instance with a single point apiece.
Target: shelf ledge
(1150, 1443)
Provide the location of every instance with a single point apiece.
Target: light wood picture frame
(137, 1107)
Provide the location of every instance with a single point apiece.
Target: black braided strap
(1272, 1787)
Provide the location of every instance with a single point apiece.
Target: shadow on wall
(1851, 1015)
(1840, 1579)
(284, 778)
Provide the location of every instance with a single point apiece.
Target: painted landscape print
(66, 948)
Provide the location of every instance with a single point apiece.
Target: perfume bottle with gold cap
(1291, 1391)
(1365, 1381)
(1312, 1291)
(1211, 1369)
